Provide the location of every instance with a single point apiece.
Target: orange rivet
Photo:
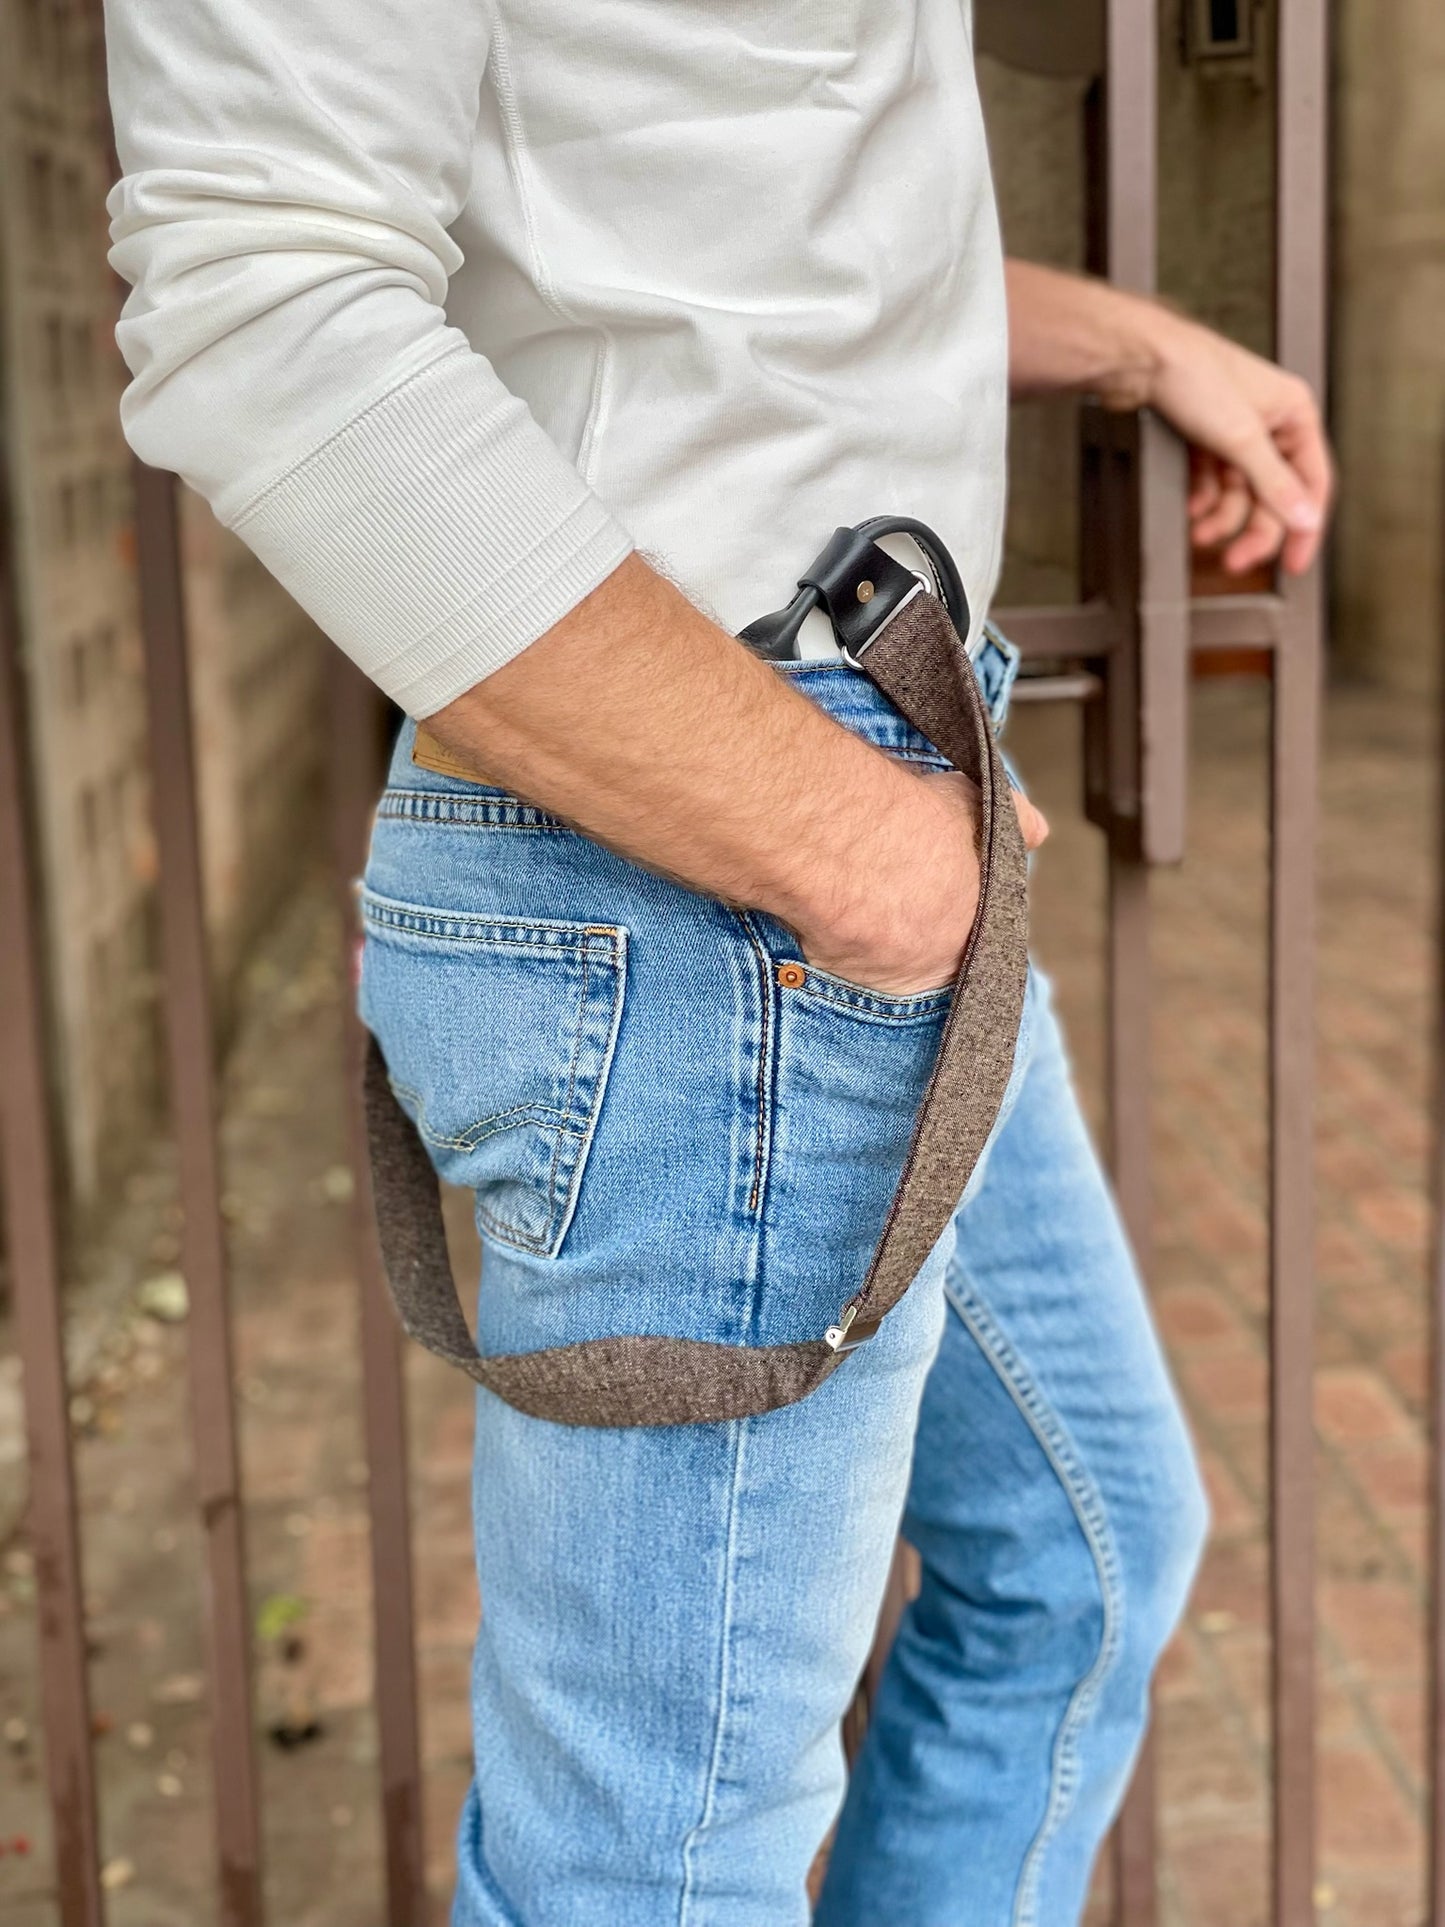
(792, 976)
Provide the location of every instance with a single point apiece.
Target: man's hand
(927, 957)
(660, 735)
(1260, 470)
(1261, 475)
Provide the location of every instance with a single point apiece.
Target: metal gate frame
(1131, 640)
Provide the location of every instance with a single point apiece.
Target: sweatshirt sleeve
(291, 169)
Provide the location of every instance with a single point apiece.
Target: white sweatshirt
(445, 304)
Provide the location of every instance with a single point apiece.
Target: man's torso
(742, 261)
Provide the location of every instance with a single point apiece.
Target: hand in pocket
(924, 896)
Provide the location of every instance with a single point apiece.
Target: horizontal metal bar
(1082, 687)
(1063, 629)
(1091, 629)
(1236, 622)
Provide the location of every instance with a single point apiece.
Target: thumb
(1274, 483)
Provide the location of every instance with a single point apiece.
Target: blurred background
(352, 1827)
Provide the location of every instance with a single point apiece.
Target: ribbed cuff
(437, 534)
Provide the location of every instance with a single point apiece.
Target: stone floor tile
(1366, 1821)
(1353, 1406)
(304, 1455)
(1231, 1511)
(1192, 1317)
(1221, 1878)
(1393, 1475)
(1230, 1381)
(1378, 1626)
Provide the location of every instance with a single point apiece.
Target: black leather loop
(858, 586)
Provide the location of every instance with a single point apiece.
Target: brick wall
(255, 659)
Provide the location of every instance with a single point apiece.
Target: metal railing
(1125, 652)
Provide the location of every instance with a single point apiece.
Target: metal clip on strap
(849, 1333)
(861, 588)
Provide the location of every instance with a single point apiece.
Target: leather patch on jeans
(427, 753)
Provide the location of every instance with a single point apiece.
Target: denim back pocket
(498, 1034)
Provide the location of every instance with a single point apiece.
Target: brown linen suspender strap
(920, 664)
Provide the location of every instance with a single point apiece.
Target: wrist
(897, 903)
(1142, 338)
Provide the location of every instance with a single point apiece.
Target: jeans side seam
(724, 1681)
(1089, 1511)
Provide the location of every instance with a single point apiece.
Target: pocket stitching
(508, 1234)
(389, 917)
(495, 811)
(485, 1127)
(855, 1002)
(419, 920)
(567, 1109)
(616, 958)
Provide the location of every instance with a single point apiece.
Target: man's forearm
(1261, 474)
(650, 728)
(1069, 333)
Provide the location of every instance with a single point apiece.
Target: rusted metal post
(1291, 1263)
(190, 1054)
(1145, 721)
(190, 1048)
(355, 726)
(1128, 1075)
(33, 1243)
(1301, 293)
(1435, 1638)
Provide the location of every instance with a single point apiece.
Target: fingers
(1302, 438)
(1260, 540)
(1220, 509)
(1275, 484)
(1283, 455)
(1273, 499)
(1262, 479)
(1032, 821)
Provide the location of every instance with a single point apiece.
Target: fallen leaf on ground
(164, 1297)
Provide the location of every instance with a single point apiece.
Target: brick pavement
(304, 1472)
(302, 1450)
(1209, 1280)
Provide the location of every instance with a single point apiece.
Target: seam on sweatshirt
(493, 588)
(518, 165)
(432, 684)
(256, 502)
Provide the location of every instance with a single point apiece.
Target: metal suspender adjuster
(861, 587)
(853, 655)
(847, 1335)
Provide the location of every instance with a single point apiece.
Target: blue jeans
(674, 1618)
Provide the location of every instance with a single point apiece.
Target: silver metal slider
(853, 657)
(836, 1337)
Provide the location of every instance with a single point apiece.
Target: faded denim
(662, 1138)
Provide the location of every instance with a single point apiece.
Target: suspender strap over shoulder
(909, 643)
